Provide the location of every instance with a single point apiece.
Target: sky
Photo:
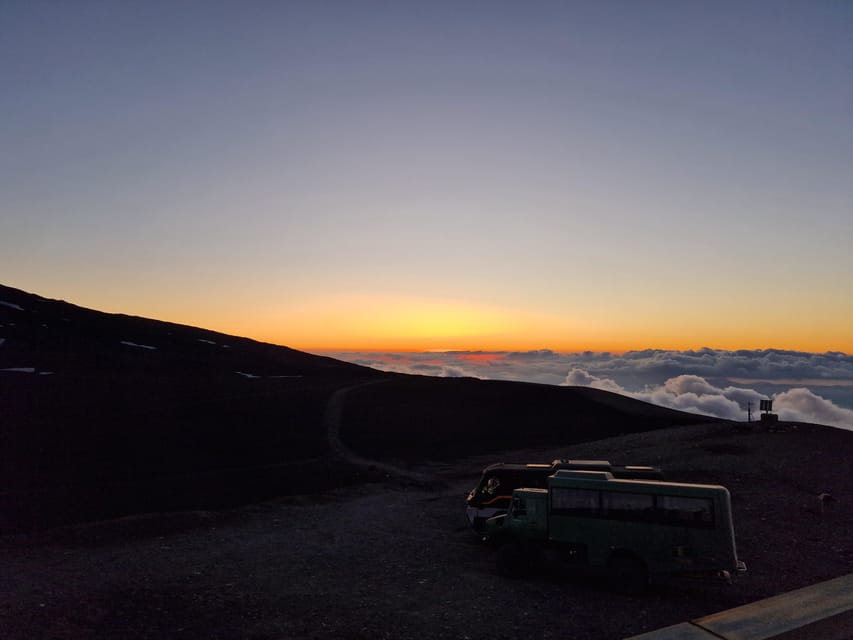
(495, 176)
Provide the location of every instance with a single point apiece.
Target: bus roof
(583, 474)
(604, 479)
(592, 464)
(584, 463)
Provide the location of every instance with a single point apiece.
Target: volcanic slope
(109, 414)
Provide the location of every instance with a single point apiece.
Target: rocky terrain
(395, 558)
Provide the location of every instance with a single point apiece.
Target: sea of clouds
(804, 387)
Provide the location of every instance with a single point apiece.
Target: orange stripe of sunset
(408, 323)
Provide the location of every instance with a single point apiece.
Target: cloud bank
(805, 387)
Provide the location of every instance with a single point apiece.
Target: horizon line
(561, 351)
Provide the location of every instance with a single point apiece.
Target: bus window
(574, 502)
(686, 512)
(628, 506)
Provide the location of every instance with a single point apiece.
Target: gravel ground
(397, 559)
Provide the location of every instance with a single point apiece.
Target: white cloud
(688, 383)
(580, 378)
(801, 404)
(685, 393)
(695, 394)
(707, 381)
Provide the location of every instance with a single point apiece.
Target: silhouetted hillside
(417, 418)
(105, 414)
(120, 409)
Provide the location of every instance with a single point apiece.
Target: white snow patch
(138, 346)
(255, 377)
(20, 369)
(206, 341)
(11, 305)
(45, 373)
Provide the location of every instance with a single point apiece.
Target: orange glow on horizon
(480, 347)
(480, 357)
(393, 334)
(423, 325)
(376, 323)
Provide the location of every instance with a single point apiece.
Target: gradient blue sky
(424, 175)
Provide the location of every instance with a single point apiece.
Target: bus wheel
(510, 560)
(627, 574)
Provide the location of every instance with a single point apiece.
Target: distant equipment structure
(766, 406)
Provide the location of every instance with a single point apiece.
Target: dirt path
(332, 421)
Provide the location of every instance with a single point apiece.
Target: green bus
(632, 529)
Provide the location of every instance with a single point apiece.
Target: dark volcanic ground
(395, 559)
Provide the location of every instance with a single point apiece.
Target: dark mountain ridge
(106, 414)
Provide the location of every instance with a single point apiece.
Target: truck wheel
(510, 560)
(627, 574)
